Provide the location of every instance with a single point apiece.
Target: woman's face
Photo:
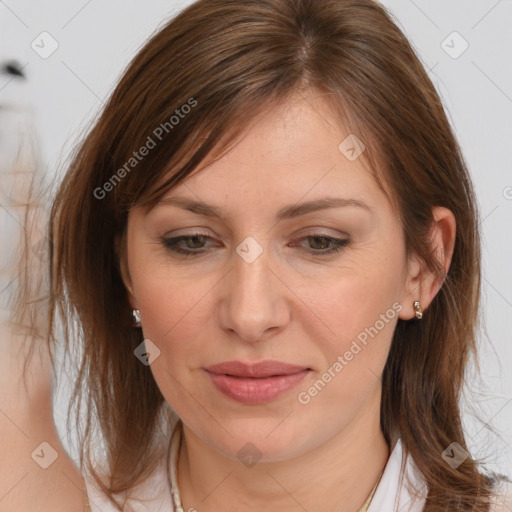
(262, 281)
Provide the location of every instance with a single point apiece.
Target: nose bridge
(253, 302)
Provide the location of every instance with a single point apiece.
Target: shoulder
(152, 495)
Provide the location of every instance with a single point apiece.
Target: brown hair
(229, 60)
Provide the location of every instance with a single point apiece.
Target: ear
(120, 248)
(421, 284)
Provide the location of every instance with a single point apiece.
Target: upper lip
(257, 370)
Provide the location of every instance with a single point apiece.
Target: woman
(269, 243)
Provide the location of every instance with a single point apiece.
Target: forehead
(295, 148)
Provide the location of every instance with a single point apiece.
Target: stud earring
(418, 311)
(136, 318)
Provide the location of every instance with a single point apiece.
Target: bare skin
(26, 418)
(285, 305)
(26, 421)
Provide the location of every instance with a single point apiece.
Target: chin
(259, 439)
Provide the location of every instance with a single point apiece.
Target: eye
(193, 244)
(324, 245)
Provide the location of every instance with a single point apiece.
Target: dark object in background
(12, 68)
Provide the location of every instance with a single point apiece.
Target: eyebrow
(288, 212)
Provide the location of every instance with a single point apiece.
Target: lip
(255, 383)
(255, 370)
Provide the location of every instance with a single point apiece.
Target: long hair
(187, 94)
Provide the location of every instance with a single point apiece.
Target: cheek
(357, 304)
(361, 309)
(361, 315)
(176, 311)
(173, 317)
(170, 310)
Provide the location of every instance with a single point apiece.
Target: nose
(254, 301)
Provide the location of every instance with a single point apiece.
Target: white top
(394, 492)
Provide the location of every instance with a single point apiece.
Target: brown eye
(319, 242)
(320, 245)
(194, 243)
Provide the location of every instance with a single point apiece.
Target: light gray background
(96, 40)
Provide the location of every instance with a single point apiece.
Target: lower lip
(255, 391)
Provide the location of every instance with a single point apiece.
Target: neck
(338, 476)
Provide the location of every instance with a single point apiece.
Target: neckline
(172, 472)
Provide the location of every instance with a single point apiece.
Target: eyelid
(193, 231)
(306, 232)
(321, 231)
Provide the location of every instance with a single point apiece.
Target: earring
(136, 318)
(418, 312)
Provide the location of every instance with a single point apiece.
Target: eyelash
(171, 245)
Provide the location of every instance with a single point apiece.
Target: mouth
(255, 383)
